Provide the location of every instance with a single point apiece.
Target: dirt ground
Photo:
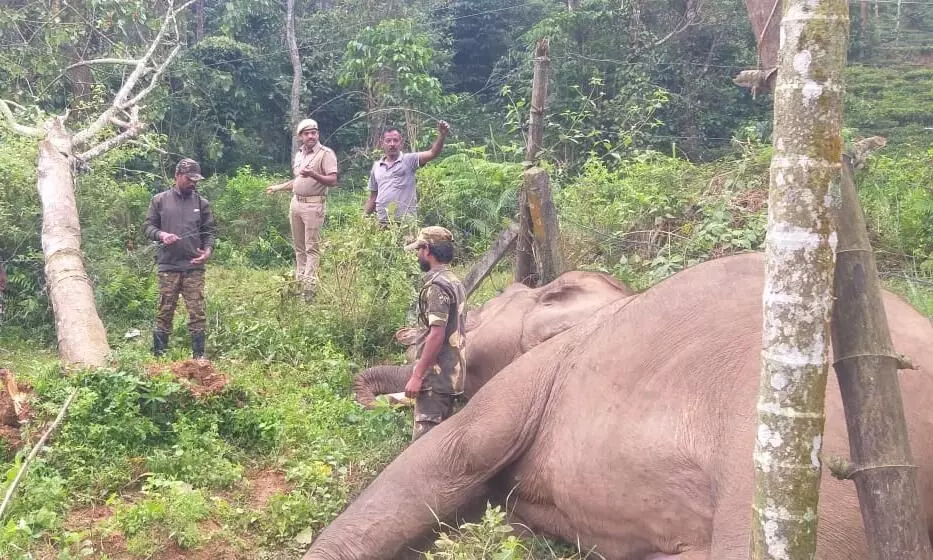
(14, 410)
(199, 376)
(265, 484)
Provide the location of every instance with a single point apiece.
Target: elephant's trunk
(380, 380)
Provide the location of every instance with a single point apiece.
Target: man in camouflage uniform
(437, 378)
(181, 221)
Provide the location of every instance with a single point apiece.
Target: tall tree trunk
(82, 339)
(295, 97)
(897, 24)
(199, 24)
(866, 364)
(863, 17)
(799, 267)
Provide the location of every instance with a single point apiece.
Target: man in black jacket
(181, 221)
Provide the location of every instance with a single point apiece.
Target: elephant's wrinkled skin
(632, 432)
(507, 326)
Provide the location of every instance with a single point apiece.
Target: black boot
(197, 345)
(159, 342)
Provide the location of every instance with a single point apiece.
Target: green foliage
(493, 538)
(170, 509)
(895, 102)
(653, 215)
(898, 203)
(393, 62)
(198, 456)
(471, 196)
(252, 227)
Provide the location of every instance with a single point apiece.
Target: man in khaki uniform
(437, 378)
(315, 169)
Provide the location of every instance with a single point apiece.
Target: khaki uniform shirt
(322, 160)
(442, 302)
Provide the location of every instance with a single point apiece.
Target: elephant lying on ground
(631, 433)
(506, 327)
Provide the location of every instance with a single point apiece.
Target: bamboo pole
(866, 364)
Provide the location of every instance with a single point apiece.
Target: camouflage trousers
(191, 287)
(431, 409)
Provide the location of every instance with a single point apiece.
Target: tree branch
(120, 101)
(126, 61)
(19, 128)
(155, 79)
(132, 130)
(689, 19)
(35, 451)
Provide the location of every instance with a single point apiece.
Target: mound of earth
(14, 409)
(199, 376)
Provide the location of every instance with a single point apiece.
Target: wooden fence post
(866, 365)
(525, 269)
(544, 225)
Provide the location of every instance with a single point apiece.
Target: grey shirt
(394, 185)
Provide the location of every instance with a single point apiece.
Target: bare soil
(15, 410)
(199, 376)
(265, 484)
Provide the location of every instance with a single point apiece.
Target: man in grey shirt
(392, 192)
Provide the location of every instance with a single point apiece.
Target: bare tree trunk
(863, 16)
(866, 364)
(82, 339)
(897, 24)
(765, 17)
(81, 336)
(544, 225)
(295, 97)
(199, 25)
(524, 256)
(799, 267)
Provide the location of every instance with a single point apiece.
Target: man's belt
(316, 198)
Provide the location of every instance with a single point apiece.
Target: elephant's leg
(380, 380)
(444, 471)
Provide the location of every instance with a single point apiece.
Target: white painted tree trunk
(82, 339)
(798, 293)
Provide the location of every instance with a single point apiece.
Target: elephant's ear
(566, 301)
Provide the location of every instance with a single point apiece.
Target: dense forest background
(657, 159)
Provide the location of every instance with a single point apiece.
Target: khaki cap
(429, 236)
(304, 125)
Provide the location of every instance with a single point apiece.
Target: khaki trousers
(306, 219)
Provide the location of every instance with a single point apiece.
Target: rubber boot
(159, 343)
(197, 346)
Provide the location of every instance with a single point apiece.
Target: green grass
(178, 472)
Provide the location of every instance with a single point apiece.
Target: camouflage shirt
(442, 302)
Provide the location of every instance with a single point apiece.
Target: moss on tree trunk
(798, 289)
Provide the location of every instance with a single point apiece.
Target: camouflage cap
(189, 168)
(304, 125)
(429, 236)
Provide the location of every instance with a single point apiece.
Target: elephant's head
(509, 325)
